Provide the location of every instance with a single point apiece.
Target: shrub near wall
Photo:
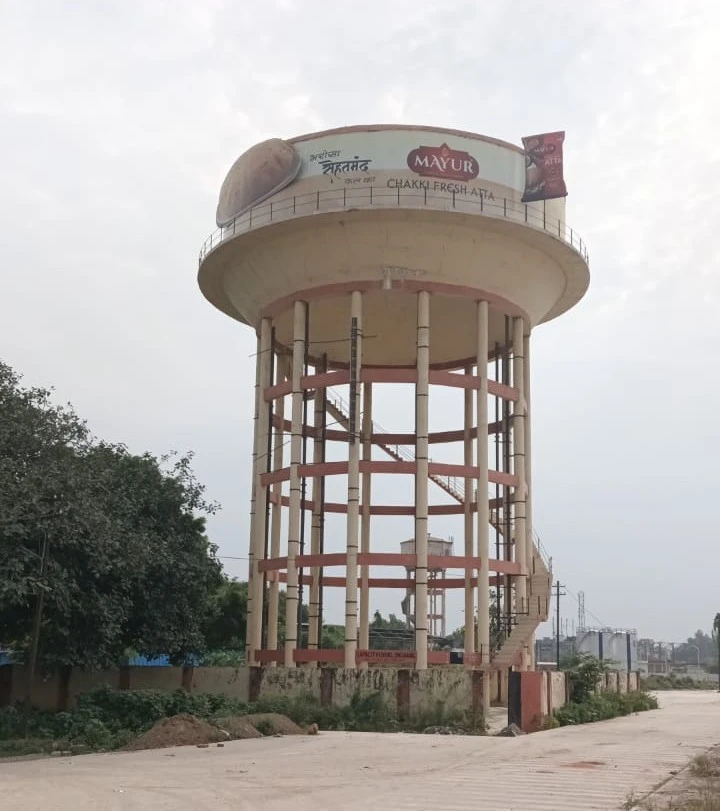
(595, 693)
(603, 707)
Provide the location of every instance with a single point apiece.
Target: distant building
(607, 644)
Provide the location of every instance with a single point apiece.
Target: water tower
(436, 591)
(375, 255)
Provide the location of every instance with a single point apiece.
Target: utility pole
(716, 637)
(558, 595)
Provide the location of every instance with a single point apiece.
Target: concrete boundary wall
(537, 695)
(408, 693)
(61, 690)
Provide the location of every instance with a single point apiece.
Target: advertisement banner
(544, 167)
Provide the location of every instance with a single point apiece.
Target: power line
(558, 595)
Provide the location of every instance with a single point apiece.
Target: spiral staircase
(513, 643)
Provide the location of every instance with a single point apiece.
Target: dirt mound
(239, 728)
(272, 723)
(180, 730)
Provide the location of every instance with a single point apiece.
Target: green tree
(114, 543)
(226, 622)
(333, 636)
(457, 637)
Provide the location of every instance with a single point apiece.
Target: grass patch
(696, 788)
(704, 767)
(673, 682)
(706, 800)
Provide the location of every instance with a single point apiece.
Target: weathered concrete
(590, 767)
(611, 682)
(557, 690)
(445, 689)
(230, 681)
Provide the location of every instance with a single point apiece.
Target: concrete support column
(518, 445)
(353, 496)
(249, 656)
(483, 508)
(254, 618)
(469, 640)
(314, 630)
(422, 395)
(365, 519)
(276, 509)
(295, 512)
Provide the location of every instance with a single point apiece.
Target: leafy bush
(107, 719)
(603, 706)
(584, 672)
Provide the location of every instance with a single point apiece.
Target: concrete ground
(577, 768)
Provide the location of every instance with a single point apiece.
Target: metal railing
(367, 196)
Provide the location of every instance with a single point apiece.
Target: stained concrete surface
(589, 767)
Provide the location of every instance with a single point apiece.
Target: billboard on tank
(417, 160)
(544, 167)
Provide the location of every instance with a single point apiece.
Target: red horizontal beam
(272, 564)
(441, 562)
(503, 391)
(436, 438)
(440, 583)
(318, 655)
(278, 390)
(389, 509)
(325, 379)
(264, 656)
(388, 374)
(318, 469)
(325, 560)
(453, 380)
(437, 378)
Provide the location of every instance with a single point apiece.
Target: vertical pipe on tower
(314, 631)
(365, 518)
(249, 653)
(353, 496)
(261, 491)
(530, 554)
(528, 452)
(422, 394)
(469, 641)
(518, 457)
(277, 508)
(507, 468)
(298, 362)
(483, 508)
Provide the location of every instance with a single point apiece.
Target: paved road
(578, 768)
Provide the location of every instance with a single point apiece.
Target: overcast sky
(118, 122)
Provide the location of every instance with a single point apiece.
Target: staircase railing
(455, 487)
